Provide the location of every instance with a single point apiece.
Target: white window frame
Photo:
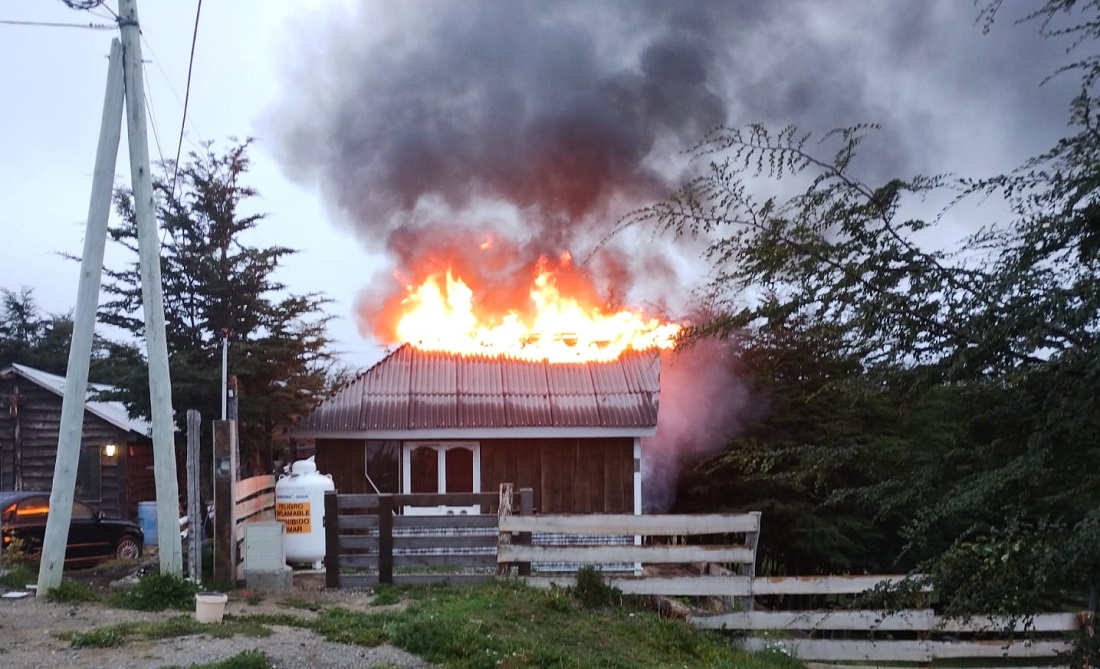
(441, 448)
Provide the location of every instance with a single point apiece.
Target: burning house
(489, 396)
(429, 421)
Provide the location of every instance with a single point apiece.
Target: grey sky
(544, 121)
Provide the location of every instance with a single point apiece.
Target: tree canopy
(949, 390)
(218, 285)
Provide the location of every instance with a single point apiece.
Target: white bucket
(210, 606)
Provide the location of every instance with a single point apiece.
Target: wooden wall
(567, 475)
(343, 459)
(32, 416)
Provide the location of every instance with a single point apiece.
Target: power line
(52, 24)
(168, 81)
(186, 96)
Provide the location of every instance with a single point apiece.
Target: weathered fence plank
(844, 649)
(619, 524)
(595, 555)
(900, 621)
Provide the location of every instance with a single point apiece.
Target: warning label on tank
(295, 515)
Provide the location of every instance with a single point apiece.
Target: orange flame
(562, 320)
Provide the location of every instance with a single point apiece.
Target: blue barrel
(147, 518)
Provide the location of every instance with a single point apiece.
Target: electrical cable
(156, 61)
(52, 24)
(186, 96)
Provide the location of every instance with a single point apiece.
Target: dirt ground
(29, 629)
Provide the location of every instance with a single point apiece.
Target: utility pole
(125, 86)
(80, 348)
(152, 296)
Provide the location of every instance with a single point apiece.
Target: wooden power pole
(80, 348)
(125, 84)
(152, 296)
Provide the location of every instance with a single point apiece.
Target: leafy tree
(215, 285)
(22, 326)
(31, 337)
(1006, 322)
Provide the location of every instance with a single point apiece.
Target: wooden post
(80, 348)
(504, 539)
(385, 539)
(195, 514)
(332, 540)
(526, 508)
(749, 603)
(225, 501)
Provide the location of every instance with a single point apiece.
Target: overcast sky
(381, 127)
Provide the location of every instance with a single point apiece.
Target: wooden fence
(818, 636)
(255, 500)
(367, 544)
(913, 635)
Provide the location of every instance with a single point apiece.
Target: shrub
(591, 590)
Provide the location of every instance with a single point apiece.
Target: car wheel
(127, 548)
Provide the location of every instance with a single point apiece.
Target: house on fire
(114, 472)
(422, 421)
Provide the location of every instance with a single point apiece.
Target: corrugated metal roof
(413, 390)
(114, 413)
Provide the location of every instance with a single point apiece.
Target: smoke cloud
(431, 127)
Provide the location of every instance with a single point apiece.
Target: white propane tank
(300, 505)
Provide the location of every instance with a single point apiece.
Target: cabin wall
(343, 459)
(29, 429)
(567, 475)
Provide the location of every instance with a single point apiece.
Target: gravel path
(29, 628)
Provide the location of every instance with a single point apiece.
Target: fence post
(195, 513)
(526, 508)
(225, 501)
(749, 603)
(385, 538)
(332, 540)
(504, 539)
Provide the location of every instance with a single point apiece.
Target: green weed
(385, 594)
(592, 591)
(157, 592)
(71, 592)
(17, 576)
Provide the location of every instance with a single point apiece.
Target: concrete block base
(266, 580)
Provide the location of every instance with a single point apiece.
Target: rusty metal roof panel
(416, 390)
(433, 390)
(572, 395)
(526, 395)
(480, 397)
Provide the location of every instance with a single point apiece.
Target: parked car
(93, 537)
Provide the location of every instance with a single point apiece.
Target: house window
(89, 475)
(442, 467)
(382, 463)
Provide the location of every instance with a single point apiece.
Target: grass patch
(248, 659)
(385, 594)
(509, 625)
(17, 576)
(157, 592)
(71, 592)
(120, 634)
(494, 624)
(298, 603)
